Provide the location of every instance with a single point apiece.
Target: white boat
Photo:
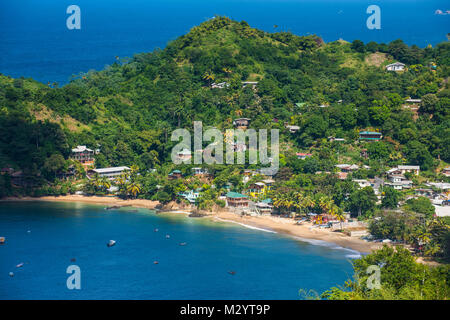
(111, 243)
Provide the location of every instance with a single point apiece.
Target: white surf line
(245, 225)
(354, 253)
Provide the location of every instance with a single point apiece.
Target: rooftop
(81, 149)
(235, 195)
(112, 169)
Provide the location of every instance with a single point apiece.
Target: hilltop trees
(401, 278)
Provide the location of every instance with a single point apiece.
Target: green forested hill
(130, 108)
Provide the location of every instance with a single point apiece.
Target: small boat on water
(167, 236)
(73, 260)
(111, 243)
(183, 243)
(20, 265)
(155, 262)
(156, 230)
(11, 274)
(2, 240)
(232, 272)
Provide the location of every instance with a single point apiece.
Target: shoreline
(280, 225)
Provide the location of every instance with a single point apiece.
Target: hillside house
(396, 66)
(184, 155)
(84, 155)
(446, 172)
(347, 167)
(236, 200)
(362, 183)
(401, 170)
(241, 123)
(370, 136)
(399, 182)
(303, 156)
(332, 139)
(252, 84)
(292, 129)
(221, 85)
(199, 171)
(175, 174)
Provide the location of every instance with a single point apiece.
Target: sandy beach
(277, 224)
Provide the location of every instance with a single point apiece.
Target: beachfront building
(108, 172)
(190, 195)
(396, 66)
(84, 155)
(241, 123)
(236, 200)
(264, 207)
(370, 136)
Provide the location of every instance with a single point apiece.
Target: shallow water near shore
(45, 237)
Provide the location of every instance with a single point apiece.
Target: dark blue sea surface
(45, 237)
(35, 42)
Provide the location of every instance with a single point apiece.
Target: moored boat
(111, 243)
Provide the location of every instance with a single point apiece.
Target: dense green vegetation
(401, 278)
(337, 89)
(130, 109)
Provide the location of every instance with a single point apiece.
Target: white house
(199, 171)
(190, 196)
(396, 66)
(400, 170)
(292, 129)
(362, 183)
(109, 172)
(184, 154)
(221, 85)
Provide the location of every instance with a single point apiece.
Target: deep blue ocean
(45, 237)
(35, 42)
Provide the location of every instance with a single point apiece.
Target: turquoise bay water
(46, 236)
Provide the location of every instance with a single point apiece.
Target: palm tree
(209, 76)
(104, 184)
(228, 71)
(134, 188)
(338, 213)
(121, 181)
